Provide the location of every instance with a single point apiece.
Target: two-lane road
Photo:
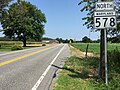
(31, 69)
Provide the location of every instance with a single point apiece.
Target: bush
(16, 48)
(114, 69)
(113, 60)
(43, 44)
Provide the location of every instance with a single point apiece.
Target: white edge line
(46, 71)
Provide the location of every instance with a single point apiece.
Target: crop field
(10, 43)
(5, 46)
(95, 47)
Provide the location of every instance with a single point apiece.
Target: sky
(64, 19)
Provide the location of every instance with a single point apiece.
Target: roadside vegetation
(81, 73)
(95, 47)
(6, 46)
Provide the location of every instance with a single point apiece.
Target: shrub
(113, 60)
(114, 69)
(43, 44)
(16, 48)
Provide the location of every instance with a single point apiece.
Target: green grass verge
(75, 74)
(5, 48)
(8, 48)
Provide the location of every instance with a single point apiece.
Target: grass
(94, 47)
(75, 74)
(8, 48)
(82, 73)
(5, 46)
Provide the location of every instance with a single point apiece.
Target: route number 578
(105, 22)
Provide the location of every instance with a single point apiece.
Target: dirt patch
(79, 53)
(34, 44)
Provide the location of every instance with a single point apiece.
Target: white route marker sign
(105, 22)
(104, 6)
(104, 16)
(104, 13)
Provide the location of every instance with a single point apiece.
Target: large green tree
(86, 39)
(23, 21)
(89, 8)
(4, 3)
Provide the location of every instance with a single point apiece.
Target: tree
(4, 3)
(71, 40)
(86, 39)
(23, 21)
(66, 41)
(60, 40)
(114, 39)
(89, 7)
(46, 38)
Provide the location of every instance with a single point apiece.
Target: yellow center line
(27, 55)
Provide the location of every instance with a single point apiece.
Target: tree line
(85, 39)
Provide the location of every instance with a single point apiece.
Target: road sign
(104, 13)
(104, 6)
(105, 22)
(104, 16)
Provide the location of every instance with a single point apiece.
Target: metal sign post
(106, 71)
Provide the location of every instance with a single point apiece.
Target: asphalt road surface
(32, 69)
